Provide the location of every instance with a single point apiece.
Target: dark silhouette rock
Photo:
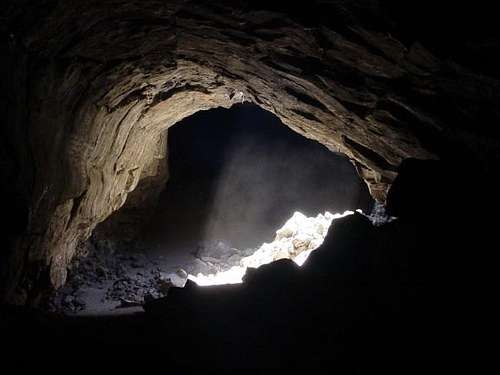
(398, 297)
(420, 188)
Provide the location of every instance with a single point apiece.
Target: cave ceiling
(94, 85)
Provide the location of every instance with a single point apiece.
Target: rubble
(298, 237)
(122, 278)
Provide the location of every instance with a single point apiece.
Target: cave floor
(334, 314)
(117, 283)
(107, 283)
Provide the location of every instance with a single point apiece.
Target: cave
(106, 106)
(237, 174)
(240, 184)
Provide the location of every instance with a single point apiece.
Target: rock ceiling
(94, 85)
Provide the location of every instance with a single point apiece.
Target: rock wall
(123, 226)
(92, 84)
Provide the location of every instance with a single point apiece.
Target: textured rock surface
(92, 84)
(124, 225)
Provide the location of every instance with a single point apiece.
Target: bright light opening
(296, 240)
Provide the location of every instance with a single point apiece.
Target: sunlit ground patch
(295, 240)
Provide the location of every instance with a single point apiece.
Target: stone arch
(103, 81)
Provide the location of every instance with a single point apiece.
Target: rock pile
(295, 240)
(102, 276)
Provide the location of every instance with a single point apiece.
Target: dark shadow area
(404, 297)
(238, 174)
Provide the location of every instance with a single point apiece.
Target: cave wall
(93, 84)
(123, 226)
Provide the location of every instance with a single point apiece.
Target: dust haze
(239, 174)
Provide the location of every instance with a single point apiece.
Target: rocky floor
(106, 279)
(103, 280)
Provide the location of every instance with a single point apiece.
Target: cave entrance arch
(238, 174)
(101, 111)
(115, 144)
(235, 176)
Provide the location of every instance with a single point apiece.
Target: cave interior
(149, 147)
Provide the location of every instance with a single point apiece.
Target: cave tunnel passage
(236, 176)
(93, 91)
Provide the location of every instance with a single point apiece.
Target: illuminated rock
(298, 237)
